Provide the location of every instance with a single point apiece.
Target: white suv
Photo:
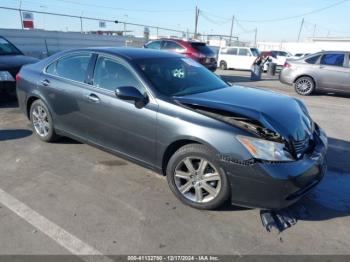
(241, 58)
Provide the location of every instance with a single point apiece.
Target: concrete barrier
(40, 44)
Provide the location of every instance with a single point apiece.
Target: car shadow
(246, 79)
(67, 141)
(331, 197)
(8, 103)
(13, 134)
(334, 94)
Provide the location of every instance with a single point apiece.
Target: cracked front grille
(301, 146)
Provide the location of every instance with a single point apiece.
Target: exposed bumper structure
(276, 185)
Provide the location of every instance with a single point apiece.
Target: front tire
(196, 178)
(42, 122)
(304, 86)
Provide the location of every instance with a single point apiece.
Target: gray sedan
(324, 70)
(214, 142)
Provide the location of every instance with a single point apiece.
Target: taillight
(286, 65)
(18, 77)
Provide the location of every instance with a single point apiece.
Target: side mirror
(131, 93)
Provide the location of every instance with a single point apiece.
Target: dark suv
(198, 51)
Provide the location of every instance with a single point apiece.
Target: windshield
(7, 48)
(179, 76)
(203, 48)
(255, 51)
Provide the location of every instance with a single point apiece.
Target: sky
(271, 18)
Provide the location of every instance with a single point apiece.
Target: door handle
(93, 98)
(45, 82)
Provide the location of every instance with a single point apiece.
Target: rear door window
(154, 45)
(73, 67)
(171, 45)
(243, 52)
(334, 59)
(313, 59)
(232, 51)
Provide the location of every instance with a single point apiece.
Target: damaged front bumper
(275, 185)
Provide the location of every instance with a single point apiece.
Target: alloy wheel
(304, 86)
(41, 121)
(197, 179)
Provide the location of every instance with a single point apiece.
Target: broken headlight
(265, 150)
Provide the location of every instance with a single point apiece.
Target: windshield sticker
(179, 73)
(191, 62)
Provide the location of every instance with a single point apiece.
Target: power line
(281, 18)
(296, 16)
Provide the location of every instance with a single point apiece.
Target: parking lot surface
(69, 197)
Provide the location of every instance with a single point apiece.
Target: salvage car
(195, 50)
(166, 112)
(328, 70)
(11, 61)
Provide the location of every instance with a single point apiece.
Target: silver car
(329, 70)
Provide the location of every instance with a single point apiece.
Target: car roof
(130, 53)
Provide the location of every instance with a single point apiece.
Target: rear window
(203, 48)
(336, 59)
(313, 59)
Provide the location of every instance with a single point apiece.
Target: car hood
(15, 61)
(282, 114)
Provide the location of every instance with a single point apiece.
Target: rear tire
(223, 65)
(304, 86)
(195, 177)
(42, 122)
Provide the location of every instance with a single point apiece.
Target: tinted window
(313, 59)
(7, 48)
(110, 75)
(243, 51)
(179, 76)
(232, 51)
(73, 67)
(255, 51)
(349, 60)
(171, 45)
(333, 59)
(154, 45)
(203, 48)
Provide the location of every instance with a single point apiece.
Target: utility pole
(256, 37)
(196, 22)
(313, 35)
(20, 13)
(231, 32)
(301, 28)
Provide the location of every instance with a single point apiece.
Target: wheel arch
(29, 103)
(177, 144)
(32, 97)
